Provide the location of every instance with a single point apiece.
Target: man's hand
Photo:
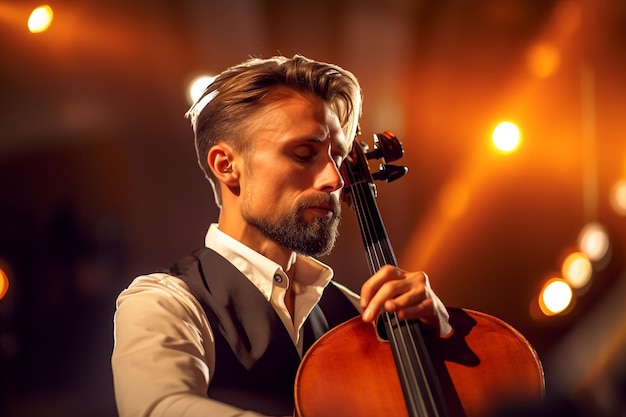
(408, 294)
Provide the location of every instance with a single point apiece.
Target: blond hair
(234, 96)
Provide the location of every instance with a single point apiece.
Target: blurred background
(523, 220)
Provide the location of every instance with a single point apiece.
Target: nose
(330, 179)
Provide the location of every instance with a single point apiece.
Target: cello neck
(378, 249)
(422, 392)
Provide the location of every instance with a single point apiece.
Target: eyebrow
(340, 145)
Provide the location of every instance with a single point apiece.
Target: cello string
(376, 258)
(375, 253)
(359, 204)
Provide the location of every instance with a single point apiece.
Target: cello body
(483, 365)
(399, 368)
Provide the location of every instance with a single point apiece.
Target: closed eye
(308, 151)
(304, 153)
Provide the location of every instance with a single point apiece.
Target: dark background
(98, 179)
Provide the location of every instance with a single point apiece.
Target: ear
(220, 159)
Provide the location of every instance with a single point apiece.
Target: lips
(327, 207)
(324, 209)
(321, 206)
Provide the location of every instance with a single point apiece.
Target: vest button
(278, 279)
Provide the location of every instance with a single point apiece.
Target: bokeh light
(506, 137)
(593, 241)
(577, 269)
(543, 59)
(40, 19)
(4, 283)
(617, 197)
(555, 297)
(197, 86)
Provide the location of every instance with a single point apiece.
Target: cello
(400, 368)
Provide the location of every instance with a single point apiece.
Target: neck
(254, 239)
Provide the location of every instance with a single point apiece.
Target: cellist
(222, 331)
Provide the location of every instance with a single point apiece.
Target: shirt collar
(261, 270)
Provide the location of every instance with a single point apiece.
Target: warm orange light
(618, 197)
(4, 283)
(593, 241)
(577, 269)
(197, 86)
(40, 19)
(506, 137)
(454, 199)
(556, 296)
(568, 17)
(543, 59)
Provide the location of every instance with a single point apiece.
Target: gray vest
(256, 361)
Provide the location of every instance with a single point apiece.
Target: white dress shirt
(164, 355)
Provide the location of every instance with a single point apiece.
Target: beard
(292, 231)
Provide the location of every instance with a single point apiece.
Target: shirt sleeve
(164, 353)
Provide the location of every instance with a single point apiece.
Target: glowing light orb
(506, 137)
(40, 19)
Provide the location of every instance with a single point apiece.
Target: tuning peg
(375, 154)
(389, 173)
(386, 147)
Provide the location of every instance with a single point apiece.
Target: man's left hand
(408, 294)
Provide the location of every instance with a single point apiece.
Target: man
(221, 333)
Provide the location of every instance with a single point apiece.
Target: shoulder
(157, 283)
(159, 294)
